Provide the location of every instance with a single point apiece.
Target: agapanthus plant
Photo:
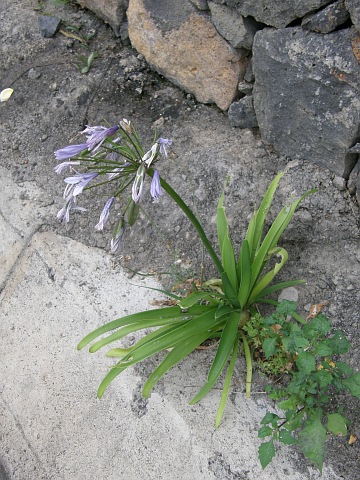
(112, 156)
(116, 156)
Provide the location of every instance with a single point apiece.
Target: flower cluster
(116, 154)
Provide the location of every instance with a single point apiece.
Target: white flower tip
(6, 94)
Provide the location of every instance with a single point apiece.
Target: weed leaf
(266, 453)
(312, 441)
(336, 424)
(269, 346)
(286, 438)
(305, 362)
(353, 384)
(265, 431)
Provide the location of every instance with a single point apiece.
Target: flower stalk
(190, 215)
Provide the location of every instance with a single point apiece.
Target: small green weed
(315, 375)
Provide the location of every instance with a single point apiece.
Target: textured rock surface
(48, 25)
(111, 11)
(186, 48)
(327, 19)
(306, 95)
(200, 4)
(353, 7)
(277, 14)
(242, 113)
(237, 30)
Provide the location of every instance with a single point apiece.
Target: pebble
(339, 183)
(48, 25)
(159, 122)
(34, 74)
(290, 293)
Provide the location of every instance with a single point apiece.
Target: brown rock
(111, 11)
(191, 54)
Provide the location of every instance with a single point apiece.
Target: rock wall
(292, 69)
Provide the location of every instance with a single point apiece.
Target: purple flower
(97, 135)
(64, 214)
(62, 166)
(164, 142)
(70, 151)
(155, 187)
(138, 185)
(80, 181)
(118, 234)
(150, 155)
(104, 216)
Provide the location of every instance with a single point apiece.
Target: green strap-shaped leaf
(262, 254)
(122, 332)
(194, 297)
(273, 235)
(292, 209)
(202, 392)
(263, 211)
(226, 248)
(167, 312)
(226, 344)
(229, 291)
(172, 358)
(276, 287)
(163, 338)
(227, 383)
(118, 352)
(113, 373)
(153, 343)
(244, 273)
(269, 276)
(158, 313)
(249, 237)
(223, 310)
(221, 222)
(228, 261)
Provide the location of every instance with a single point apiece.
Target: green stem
(248, 365)
(177, 199)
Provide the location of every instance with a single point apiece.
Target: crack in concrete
(23, 434)
(19, 258)
(16, 230)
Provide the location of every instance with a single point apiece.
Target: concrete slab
(52, 425)
(23, 208)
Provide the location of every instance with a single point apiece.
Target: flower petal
(6, 94)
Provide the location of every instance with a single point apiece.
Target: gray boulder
(327, 19)
(307, 95)
(200, 4)
(111, 11)
(236, 29)
(353, 7)
(183, 45)
(277, 13)
(242, 114)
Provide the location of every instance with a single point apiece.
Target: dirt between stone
(53, 101)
